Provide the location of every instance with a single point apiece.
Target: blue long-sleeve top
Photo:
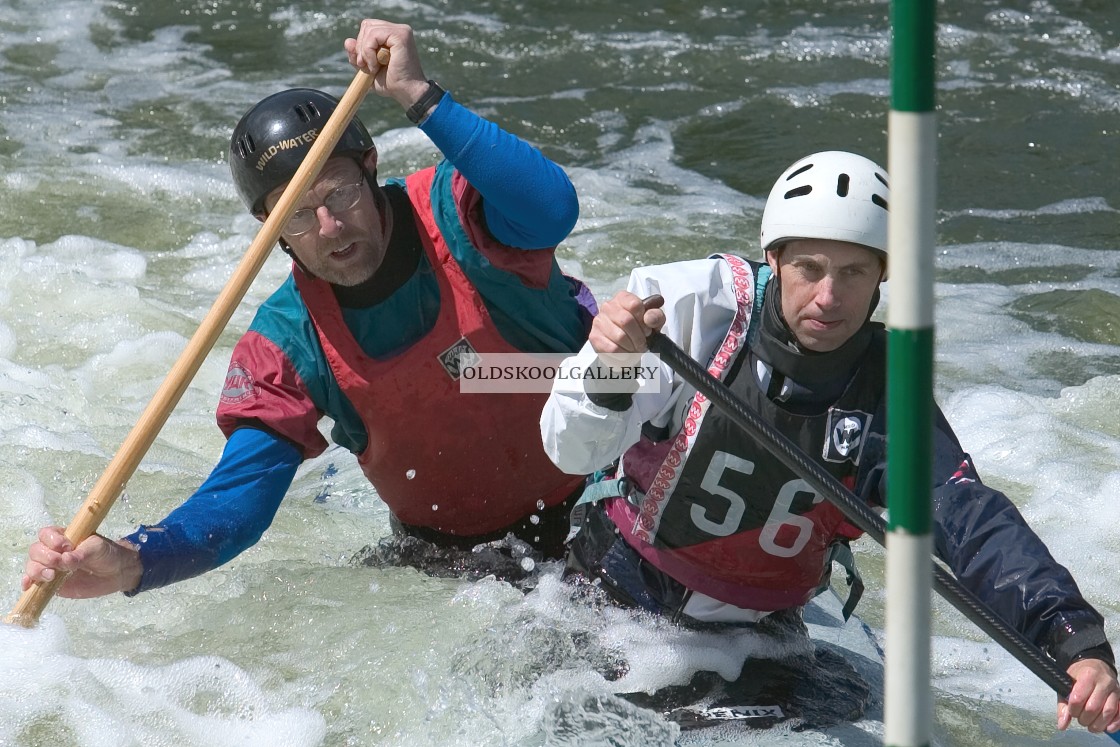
(528, 203)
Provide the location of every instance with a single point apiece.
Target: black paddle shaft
(856, 511)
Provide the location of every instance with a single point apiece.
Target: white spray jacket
(978, 531)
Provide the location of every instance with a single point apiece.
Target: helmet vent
(245, 146)
(307, 112)
(879, 201)
(800, 171)
(799, 192)
(842, 183)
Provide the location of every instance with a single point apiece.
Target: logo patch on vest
(457, 357)
(845, 435)
(239, 385)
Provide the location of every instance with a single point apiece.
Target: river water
(118, 226)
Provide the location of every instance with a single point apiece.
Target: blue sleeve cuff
(224, 517)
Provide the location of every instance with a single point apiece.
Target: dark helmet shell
(272, 139)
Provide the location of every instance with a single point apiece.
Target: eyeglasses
(337, 201)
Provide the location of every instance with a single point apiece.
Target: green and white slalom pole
(911, 147)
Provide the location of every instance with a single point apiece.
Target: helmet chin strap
(288, 250)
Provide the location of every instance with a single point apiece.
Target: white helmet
(829, 195)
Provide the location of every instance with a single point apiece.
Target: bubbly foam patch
(48, 692)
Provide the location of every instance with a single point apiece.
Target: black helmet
(272, 139)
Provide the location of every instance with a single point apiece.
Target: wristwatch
(420, 109)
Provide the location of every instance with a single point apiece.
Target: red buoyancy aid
(461, 464)
(765, 544)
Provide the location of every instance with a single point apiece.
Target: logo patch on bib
(845, 435)
(457, 357)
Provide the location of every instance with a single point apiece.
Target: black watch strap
(420, 109)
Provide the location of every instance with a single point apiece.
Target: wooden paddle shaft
(105, 492)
